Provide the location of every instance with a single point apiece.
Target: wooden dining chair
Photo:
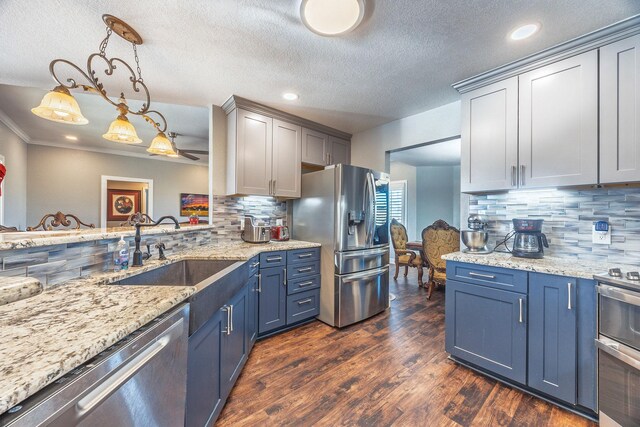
(404, 257)
(59, 219)
(439, 239)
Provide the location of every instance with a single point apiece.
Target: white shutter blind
(398, 201)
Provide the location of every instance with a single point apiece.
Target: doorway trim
(3, 196)
(103, 194)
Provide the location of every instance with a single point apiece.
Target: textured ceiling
(400, 61)
(192, 123)
(445, 153)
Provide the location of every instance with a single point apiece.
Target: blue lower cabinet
(252, 311)
(488, 328)
(587, 353)
(204, 394)
(302, 306)
(233, 351)
(272, 300)
(553, 336)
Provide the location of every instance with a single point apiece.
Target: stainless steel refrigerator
(345, 208)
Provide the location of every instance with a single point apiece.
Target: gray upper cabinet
(620, 111)
(287, 158)
(250, 154)
(490, 137)
(558, 123)
(339, 151)
(315, 147)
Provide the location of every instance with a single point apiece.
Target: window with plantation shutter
(398, 201)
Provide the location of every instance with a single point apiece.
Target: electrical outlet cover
(601, 237)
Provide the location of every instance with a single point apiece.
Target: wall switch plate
(601, 233)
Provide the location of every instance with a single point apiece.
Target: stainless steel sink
(181, 273)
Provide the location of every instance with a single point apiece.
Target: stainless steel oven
(618, 352)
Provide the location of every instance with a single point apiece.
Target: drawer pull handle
(305, 284)
(284, 279)
(309, 255)
(521, 303)
(275, 258)
(255, 264)
(304, 270)
(484, 276)
(305, 301)
(569, 295)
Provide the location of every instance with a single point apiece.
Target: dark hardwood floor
(389, 370)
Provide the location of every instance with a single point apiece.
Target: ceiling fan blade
(196, 151)
(187, 155)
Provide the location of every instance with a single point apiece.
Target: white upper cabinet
(340, 151)
(253, 154)
(287, 157)
(620, 111)
(489, 157)
(558, 123)
(315, 147)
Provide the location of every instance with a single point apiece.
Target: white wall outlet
(601, 233)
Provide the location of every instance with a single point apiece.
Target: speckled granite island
(52, 331)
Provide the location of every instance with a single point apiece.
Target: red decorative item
(3, 172)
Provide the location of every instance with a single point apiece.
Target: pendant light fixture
(162, 146)
(60, 106)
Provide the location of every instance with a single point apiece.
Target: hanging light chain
(135, 54)
(105, 42)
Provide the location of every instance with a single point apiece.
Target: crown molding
(120, 153)
(13, 126)
(590, 41)
(238, 102)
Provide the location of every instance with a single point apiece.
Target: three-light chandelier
(60, 106)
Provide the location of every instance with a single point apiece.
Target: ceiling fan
(189, 154)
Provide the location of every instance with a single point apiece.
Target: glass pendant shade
(122, 131)
(59, 106)
(161, 145)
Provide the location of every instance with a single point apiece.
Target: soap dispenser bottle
(121, 255)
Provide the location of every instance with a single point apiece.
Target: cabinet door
(340, 151)
(620, 111)
(254, 152)
(287, 159)
(272, 300)
(552, 336)
(559, 123)
(315, 147)
(252, 311)
(234, 343)
(487, 327)
(204, 394)
(489, 152)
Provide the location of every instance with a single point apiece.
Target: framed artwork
(122, 203)
(194, 204)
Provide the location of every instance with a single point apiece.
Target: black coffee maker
(529, 240)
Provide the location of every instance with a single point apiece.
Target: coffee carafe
(529, 240)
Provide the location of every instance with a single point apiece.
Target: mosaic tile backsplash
(568, 217)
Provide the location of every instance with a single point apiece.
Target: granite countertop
(47, 335)
(17, 288)
(549, 265)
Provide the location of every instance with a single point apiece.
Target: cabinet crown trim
(590, 41)
(238, 102)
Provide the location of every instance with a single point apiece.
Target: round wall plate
(122, 29)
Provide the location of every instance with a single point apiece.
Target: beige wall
(15, 183)
(368, 147)
(69, 180)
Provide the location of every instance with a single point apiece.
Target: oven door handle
(619, 294)
(621, 352)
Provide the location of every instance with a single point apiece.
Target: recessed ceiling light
(290, 96)
(71, 137)
(331, 17)
(524, 31)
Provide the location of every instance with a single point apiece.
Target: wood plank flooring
(389, 370)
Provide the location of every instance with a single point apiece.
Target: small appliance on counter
(476, 237)
(256, 230)
(529, 241)
(279, 232)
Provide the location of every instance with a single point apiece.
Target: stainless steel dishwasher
(139, 381)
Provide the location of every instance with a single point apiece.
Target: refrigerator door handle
(365, 253)
(364, 275)
(371, 208)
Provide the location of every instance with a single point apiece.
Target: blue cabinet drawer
(303, 306)
(303, 270)
(299, 256)
(254, 265)
(303, 284)
(273, 259)
(494, 277)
